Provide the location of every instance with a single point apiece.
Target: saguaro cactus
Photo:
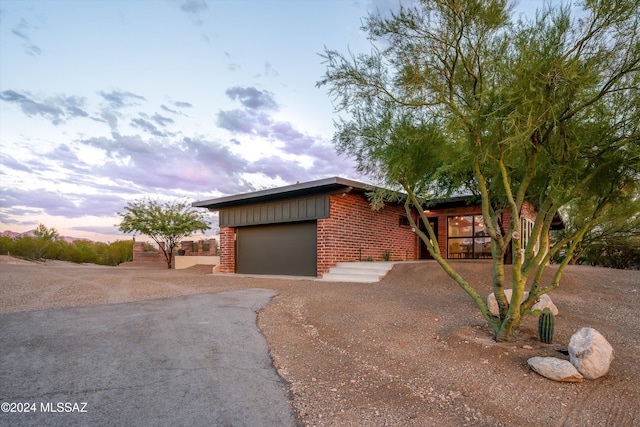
(546, 326)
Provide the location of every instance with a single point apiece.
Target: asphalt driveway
(190, 361)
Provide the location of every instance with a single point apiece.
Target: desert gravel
(411, 350)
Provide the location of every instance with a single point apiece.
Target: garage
(277, 249)
(286, 231)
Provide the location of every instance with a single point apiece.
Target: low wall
(191, 250)
(182, 262)
(140, 254)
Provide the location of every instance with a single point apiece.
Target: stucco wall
(182, 262)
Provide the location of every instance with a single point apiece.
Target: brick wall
(227, 250)
(140, 254)
(442, 215)
(198, 248)
(528, 211)
(355, 232)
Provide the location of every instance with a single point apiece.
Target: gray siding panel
(292, 210)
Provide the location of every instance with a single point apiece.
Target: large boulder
(544, 302)
(555, 369)
(590, 353)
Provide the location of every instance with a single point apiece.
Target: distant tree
(166, 223)
(27, 247)
(458, 96)
(119, 251)
(45, 233)
(45, 238)
(6, 245)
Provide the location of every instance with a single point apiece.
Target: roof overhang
(332, 185)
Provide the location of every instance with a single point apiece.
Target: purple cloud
(252, 98)
(22, 31)
(149, 127)
(165, 108)
(117, 99)
(189, 164)
(108, 230)
(161, 120)
(194, 6)
(32, 107)
(242, 121)
(11, 163)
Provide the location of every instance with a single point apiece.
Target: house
(306, 228)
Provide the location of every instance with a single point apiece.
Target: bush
(80, 251)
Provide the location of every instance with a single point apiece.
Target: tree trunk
(508, 330)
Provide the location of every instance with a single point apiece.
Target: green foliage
(460, 97)
(27, 247)
(6, 243)
(613, 241)
(44, 233)
(166, 223)
(546, 324)
(80, 251)
(118, 252)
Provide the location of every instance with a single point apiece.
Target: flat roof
(327, 185)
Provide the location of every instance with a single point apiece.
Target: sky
(107, 102)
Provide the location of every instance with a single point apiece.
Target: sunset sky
(105, 102)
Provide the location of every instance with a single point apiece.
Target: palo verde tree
(166, 223)
(461, 96)
(613, 241)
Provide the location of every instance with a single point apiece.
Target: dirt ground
(411, 350)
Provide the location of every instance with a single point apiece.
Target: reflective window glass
(460, 226)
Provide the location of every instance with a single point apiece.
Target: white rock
(590, 353)
(545, 301)
(555, 369)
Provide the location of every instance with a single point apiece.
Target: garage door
(279, 249)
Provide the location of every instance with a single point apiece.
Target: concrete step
(369, 266)
(363, 272)
(338, 277)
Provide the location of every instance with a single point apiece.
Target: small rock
(545, 301)
(555, 369)
(527, 347)
(590, 353)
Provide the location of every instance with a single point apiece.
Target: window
(404, 221)
(526, 227)
(467, 237)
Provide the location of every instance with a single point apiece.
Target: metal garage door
(279, 249)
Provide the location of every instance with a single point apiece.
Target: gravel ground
(411, 350)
